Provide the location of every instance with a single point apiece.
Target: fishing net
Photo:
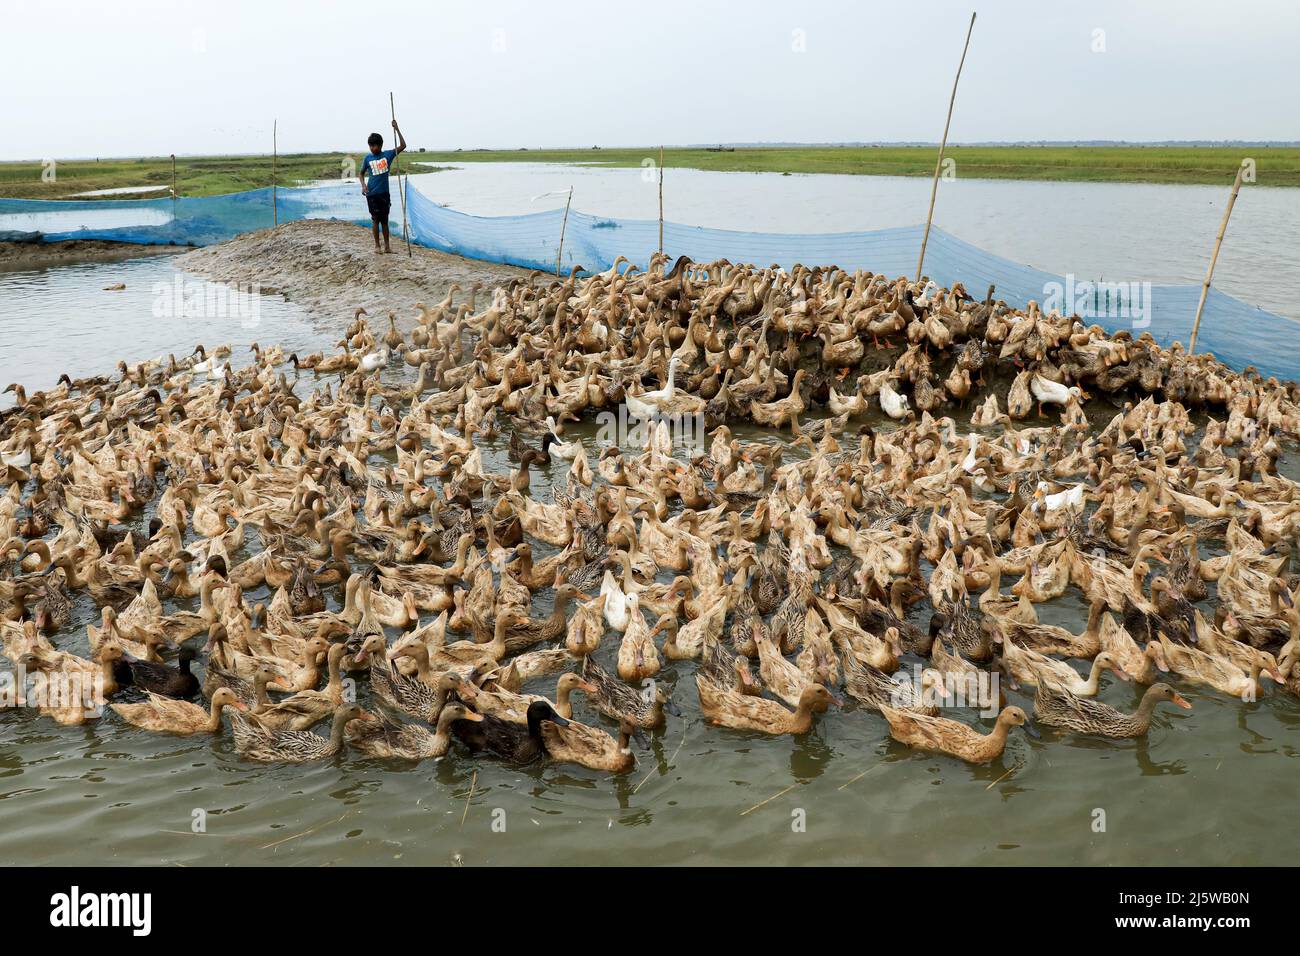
(1237, 333)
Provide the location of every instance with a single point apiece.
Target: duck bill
(472, 717)
(1032, 731)
(557, 719)
(1122, 674)
(672, 708)
(1181, 701)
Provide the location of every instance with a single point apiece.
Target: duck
(167, 715)
(951, 737)
(422, 697)
(616, 605)
(638, 657)
(309, 707)
(294, 746)
(1199, 667)
(893, 403)
(515, 743)
(1047, 392)
(667, 401)
(373, 361)
(1057, 707)
(874, 688)
(504, 701)
(727, 708)
(1071, 500)
(386, 739)
(555, 446)
(782, 412)
(647, 708)
(1031, 668)
(590, 747)
(158, 678)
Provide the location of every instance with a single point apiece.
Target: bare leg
(374, 229)
(387, 248)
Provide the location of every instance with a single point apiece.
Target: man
(374, 168)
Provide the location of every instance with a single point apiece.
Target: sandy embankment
(330, 268)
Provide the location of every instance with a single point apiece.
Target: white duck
(666, 400)
(373, 361)
(1071, 499)
(616, 602)
(21, 458)
(855, 404)
(1047, 392)
(894, 404)
(567, 450)
(970, 464)
(209, 366)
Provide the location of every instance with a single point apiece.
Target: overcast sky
(122, 79)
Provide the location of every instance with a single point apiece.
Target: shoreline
(218, 175)
(329, 267)
(25, 256)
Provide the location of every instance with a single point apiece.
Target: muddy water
(1206, 786)
(63, 319)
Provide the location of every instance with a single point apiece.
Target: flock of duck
(320, 533)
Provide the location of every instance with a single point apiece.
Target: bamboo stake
(934, 187)
(661, 200)
(1214, 257)
(393, 111)
(275, 209)
(563, 225)
(174, 195)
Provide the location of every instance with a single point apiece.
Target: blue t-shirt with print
(377, 168)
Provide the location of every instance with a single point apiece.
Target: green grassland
(210, 175)
(1275, 166)
(195, 175)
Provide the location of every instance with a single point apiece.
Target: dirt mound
(18, 256)
(331, 269)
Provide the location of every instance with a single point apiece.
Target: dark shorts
(379, 204)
